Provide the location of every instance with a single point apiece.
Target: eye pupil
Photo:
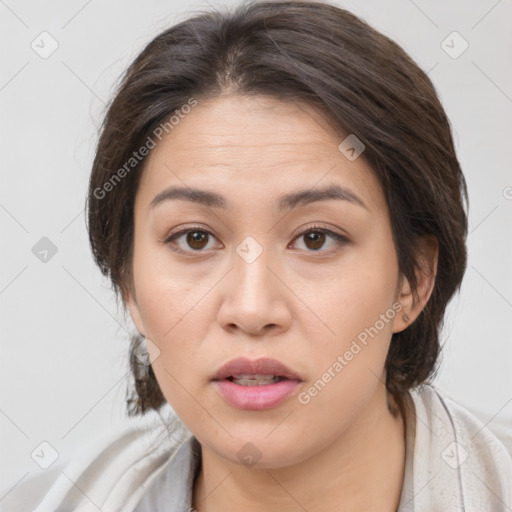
(195, 239)
(317, 238)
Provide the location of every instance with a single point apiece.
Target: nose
(255, 298)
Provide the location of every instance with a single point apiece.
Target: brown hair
(359, 79)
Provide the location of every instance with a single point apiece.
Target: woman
(278, 203)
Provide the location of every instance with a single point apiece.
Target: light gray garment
(454, 463)
(173, 489)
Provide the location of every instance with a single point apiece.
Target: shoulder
(109, 473)
(471, 459)
(492, 434)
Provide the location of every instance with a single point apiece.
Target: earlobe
(413, 304)
(405, 299)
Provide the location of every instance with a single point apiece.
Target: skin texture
(301, 302)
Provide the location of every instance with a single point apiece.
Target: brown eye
(314, 240)
(196, 239)
(192, 240)
(189, 240)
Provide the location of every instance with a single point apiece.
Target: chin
(261, 451)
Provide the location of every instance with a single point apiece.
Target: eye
(195, 238)
(315, 238)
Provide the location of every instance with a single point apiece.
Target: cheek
(176, 328)
(172, 309)
(172, 316)
(356, 309)
(349, 364)
(165, 297)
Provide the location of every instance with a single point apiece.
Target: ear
(426, 276)
(131, 303)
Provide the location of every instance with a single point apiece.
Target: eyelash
(342, 240)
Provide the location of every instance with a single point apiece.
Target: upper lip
(262, 366)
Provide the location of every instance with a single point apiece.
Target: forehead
(254, 144)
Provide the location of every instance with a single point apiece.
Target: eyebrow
(286, 202)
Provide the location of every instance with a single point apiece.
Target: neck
(361, 470)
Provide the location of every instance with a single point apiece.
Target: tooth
(255, 382)
(252, 377)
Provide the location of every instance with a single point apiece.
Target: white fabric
(458, 464)
(453, 463)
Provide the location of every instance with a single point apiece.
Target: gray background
(64, 343)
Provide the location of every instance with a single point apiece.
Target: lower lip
(256, 397)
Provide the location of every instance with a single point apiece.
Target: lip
(259, 397)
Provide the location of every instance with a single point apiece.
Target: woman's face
(257, 278)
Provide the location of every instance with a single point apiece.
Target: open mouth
(255, 380)
(255, 384)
